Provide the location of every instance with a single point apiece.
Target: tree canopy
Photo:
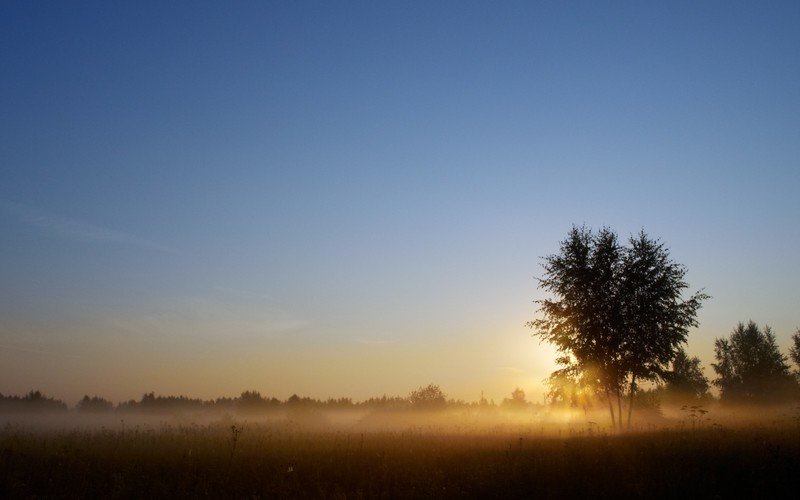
(750, 367)
(618, 314)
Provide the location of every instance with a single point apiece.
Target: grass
(282, 460)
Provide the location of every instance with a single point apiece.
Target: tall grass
(286, 460)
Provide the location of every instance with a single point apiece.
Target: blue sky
(351, 199)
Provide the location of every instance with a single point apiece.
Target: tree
(428, 398)
(686, 380)
(570, 389)
(656, 320)
(618, 316)
(517, 401)
(749, 366)
(794, 352)
(582, 323)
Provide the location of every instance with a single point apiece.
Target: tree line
(430, 397)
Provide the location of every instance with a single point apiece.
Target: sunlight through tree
(618, 316)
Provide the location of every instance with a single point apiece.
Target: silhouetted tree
(581, 322)
(686, 380)
(750, 367)
(618, 316)
(517, 401)
(655, 316)
(794, 352)
(565, 387)
(428, 398)
(649, 400)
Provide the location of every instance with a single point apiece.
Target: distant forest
(429, 398)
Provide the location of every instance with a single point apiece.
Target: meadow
(398, 455)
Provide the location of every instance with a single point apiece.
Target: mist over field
(537, 420)
(341, 453)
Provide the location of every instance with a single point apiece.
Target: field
(403, 456)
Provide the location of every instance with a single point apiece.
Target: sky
(351, 199)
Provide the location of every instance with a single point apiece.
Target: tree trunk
(619, 409)
(630, 402)
(611, 409)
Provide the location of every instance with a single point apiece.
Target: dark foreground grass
(269, 461)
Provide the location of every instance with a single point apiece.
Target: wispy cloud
(206, 319)
(69, 227)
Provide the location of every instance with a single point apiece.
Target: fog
(547, 422)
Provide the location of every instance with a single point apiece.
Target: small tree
(563, 388)
(517, 401)
(686, 380)
(427, 398)
(750, 367)
(570, 388)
